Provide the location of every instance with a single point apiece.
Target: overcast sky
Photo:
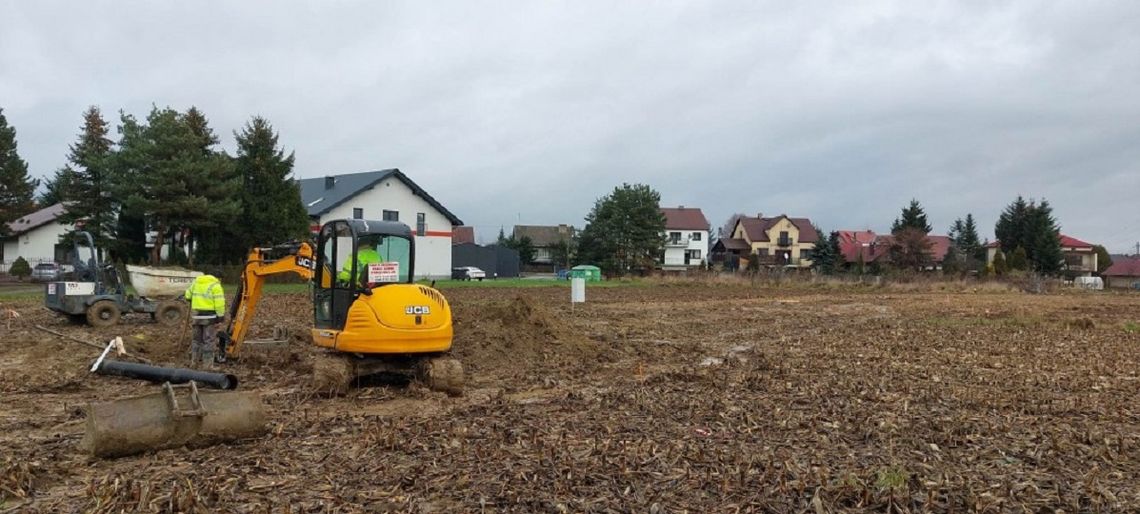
(837, 111)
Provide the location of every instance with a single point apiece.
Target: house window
(693, 255)
(391, 215)
(357, 213)
(805, 254)
(763, 252)
(696, 236)
(675, 237)
(421, 224)
(1073, 260)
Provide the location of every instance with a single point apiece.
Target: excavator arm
(295, 258)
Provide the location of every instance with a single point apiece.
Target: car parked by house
(47, 272)
(468, 273)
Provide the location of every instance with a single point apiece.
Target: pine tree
(1018, 261)
(824, 257)
(168, 172)
(1045, 249)
(1031, 226)
(623, 231)
(952, 263)
(969, 242)
(913, 216)
(17, 189)
(1011, 228)
(56, 188)
(272, 210)
(88, 199)
(999, 264)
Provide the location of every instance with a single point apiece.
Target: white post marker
(577, 290)
(117, 344)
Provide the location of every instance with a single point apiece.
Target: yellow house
(777, 241)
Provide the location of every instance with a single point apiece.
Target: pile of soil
(525, 339)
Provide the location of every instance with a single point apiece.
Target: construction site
(653, 396)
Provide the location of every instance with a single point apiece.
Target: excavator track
(334, 374)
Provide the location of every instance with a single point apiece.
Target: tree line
(1028, 240)
(165, 175)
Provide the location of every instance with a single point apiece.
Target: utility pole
(1137, 249)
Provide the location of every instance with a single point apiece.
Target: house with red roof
(1080, 257)
(781, 241)
(872, 248)
(1124, 273)
(686, 238)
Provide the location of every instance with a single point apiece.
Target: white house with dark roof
(386, 195)
(35, 237)
(686, 238)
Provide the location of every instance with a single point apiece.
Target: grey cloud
(505, 111)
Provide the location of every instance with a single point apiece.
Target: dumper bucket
(177, 416)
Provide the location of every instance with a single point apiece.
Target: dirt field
(647, 399)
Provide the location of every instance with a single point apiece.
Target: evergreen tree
(88, 198)
(999, 264)
(20, 269)
(913, 216)
(1045, 250)
(964, 236)
(952, 263)
(562, 253)
(970, 244)
(1031, 226)
(55, 188)
(1019, 261)
(168, 172)
(1011, 228)
(17, 189)
(502, 239)
(623, 231)
(272, 210)
(824, 257)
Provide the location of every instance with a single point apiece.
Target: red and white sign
(381, 272)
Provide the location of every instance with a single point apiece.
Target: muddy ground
(647, 399)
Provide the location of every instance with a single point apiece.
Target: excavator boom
(296, 258)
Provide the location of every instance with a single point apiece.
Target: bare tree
(726, 230)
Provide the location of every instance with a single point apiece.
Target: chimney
(330, 182)
(759, 215)
(680, 206)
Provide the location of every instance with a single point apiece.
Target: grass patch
(1132, 327)
(891, 478)
(21, 291)
(456, 284)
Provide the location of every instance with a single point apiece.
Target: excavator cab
(364, 298)
(353, 258)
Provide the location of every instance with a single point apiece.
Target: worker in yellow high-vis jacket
(208, 309)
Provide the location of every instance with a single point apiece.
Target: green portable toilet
(586, 271)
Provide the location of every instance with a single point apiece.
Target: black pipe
(173, 375)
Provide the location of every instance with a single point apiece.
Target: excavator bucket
(177, 416)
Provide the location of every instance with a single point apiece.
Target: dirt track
(647, 399)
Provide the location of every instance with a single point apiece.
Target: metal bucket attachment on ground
(178, 416)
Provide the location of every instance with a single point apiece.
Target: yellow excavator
(370, 316)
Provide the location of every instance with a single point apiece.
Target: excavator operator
(366, 254)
